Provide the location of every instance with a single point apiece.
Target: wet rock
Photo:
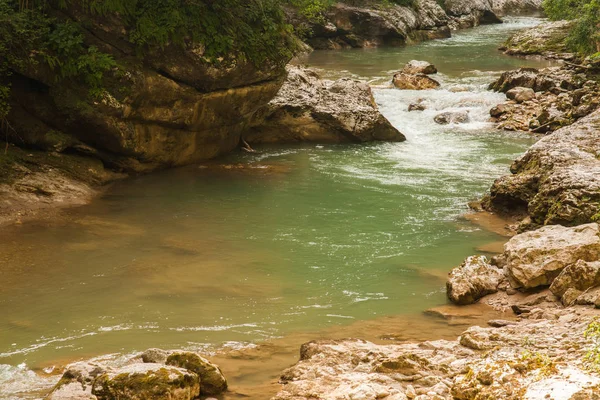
(405, 81)
(309, 109)
(147, 381)
(452, 117)
(520, 94)
(473, 279)
(156, 356)
(536, 258)
(418, 106)
(211, 378)
(419, 67)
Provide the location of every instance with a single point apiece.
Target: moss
(154, 384)
(211, 377)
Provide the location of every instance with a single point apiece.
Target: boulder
(545, 39)
(77, 381)
(419, 67)
(516, 7)
(473, 279)
(520, 94)
(147, 381)
(418, 106)
(211, 378)
(452, 117)
(581, 276)
(406, 81)
(156, 356)
(309, 109)
(536, 258)
(557, 181)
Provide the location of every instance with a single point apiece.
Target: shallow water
(295, 242)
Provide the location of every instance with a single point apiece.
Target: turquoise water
(259, 246)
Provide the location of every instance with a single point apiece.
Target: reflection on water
(285, 245)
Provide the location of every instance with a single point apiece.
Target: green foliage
(585, 35)
(592, 357)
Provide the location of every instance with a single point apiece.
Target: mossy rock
(147, 381)
(213, 381)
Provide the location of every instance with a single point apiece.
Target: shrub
(585, 35)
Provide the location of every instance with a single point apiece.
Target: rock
(498, 323)
(211, 378)
(535, 258)
(419, 67)
(580, 276)
(77, 381)
(418, 106)
(308, 109)
(452, 117)
(557, 181)
(473, 279)
(569, 297)
(545, 39)
(520, 94)
(366, 25)
(147, 381)
(516, 7)
(405, 81)
(476, 338)
(156, 356)
(468, 13)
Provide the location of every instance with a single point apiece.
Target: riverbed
(252, 254)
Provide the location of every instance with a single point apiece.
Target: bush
(585, 35)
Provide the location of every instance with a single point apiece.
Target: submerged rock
(211, 377)
(419, 67)
(536, 258)
(310, 109)
(406, 81)
(452, 117)
(147, 381)
(472, 280)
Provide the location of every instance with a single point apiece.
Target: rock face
(211, 377)
(419, 67)
(310, 109)
(536, 258)
(468, 13)
(485, 363)
(472, 280)
(171, 109)
(406, 81)
(557, 181)
(372, 24)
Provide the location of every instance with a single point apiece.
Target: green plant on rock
(592, 356)
(585, 34)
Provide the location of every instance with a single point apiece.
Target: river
(255, 253)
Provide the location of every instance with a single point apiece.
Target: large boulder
(516, 7)
(536, 258)
(309, 109)
(557, 181)
(147, 381)
(406, 81)
(473, 279)
(211, 378)
(468, 13)
(419, 67)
